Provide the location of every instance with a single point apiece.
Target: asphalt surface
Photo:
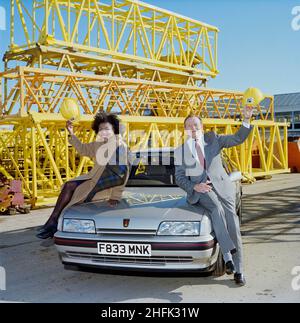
(271, 239)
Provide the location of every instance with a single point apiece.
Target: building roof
(287, 102)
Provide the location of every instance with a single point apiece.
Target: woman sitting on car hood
(111, 170)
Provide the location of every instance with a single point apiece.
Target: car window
(157, 173)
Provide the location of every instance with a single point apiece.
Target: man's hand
(298, 143)
(70, 126)
(112, 203)
(203, 187)
(247, 112)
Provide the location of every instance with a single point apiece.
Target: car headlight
(79, 226)
(179, 229)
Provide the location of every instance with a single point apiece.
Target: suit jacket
(189, 172)
(93, 150)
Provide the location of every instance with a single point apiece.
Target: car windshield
(154, 172)
(158, 169)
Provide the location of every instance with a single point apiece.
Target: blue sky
(257, 44)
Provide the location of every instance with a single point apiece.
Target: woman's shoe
(43, 227)
(40, 228)
(47, 232)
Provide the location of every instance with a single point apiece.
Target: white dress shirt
(246, 124)
(192, 145)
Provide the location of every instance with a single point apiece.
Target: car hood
(145, 209)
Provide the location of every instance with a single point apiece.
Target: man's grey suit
(221, 200)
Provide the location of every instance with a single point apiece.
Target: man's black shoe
(239, 279)
(229, 267)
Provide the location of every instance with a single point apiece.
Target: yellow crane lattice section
(139, 38)
(34, 143)
(147, 64)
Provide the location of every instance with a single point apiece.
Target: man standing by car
(199, 171)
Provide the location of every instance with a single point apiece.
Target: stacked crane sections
(144, 63)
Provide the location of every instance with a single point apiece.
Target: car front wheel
(219, 266)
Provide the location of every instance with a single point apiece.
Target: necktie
(202, 160)
(200, 154)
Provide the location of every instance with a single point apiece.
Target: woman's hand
(112, 203)
(70, 126)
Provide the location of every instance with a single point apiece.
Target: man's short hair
(191, 115)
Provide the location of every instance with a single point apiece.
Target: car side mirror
(235, 176)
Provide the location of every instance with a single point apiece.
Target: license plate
(125, 249)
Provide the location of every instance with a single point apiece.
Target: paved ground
(271, 235)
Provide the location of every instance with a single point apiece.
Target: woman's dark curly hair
(102, 117)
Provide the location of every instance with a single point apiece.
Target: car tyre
(12, 211)
(219, 269)
(71, 267)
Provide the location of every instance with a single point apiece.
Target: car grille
(153, 260)
(126, 232)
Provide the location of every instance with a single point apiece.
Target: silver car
(153, 228)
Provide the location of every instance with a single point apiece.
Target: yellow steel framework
(147, 64)
(34, 145)
(64, 60)
(42, 90)
(135, 39)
